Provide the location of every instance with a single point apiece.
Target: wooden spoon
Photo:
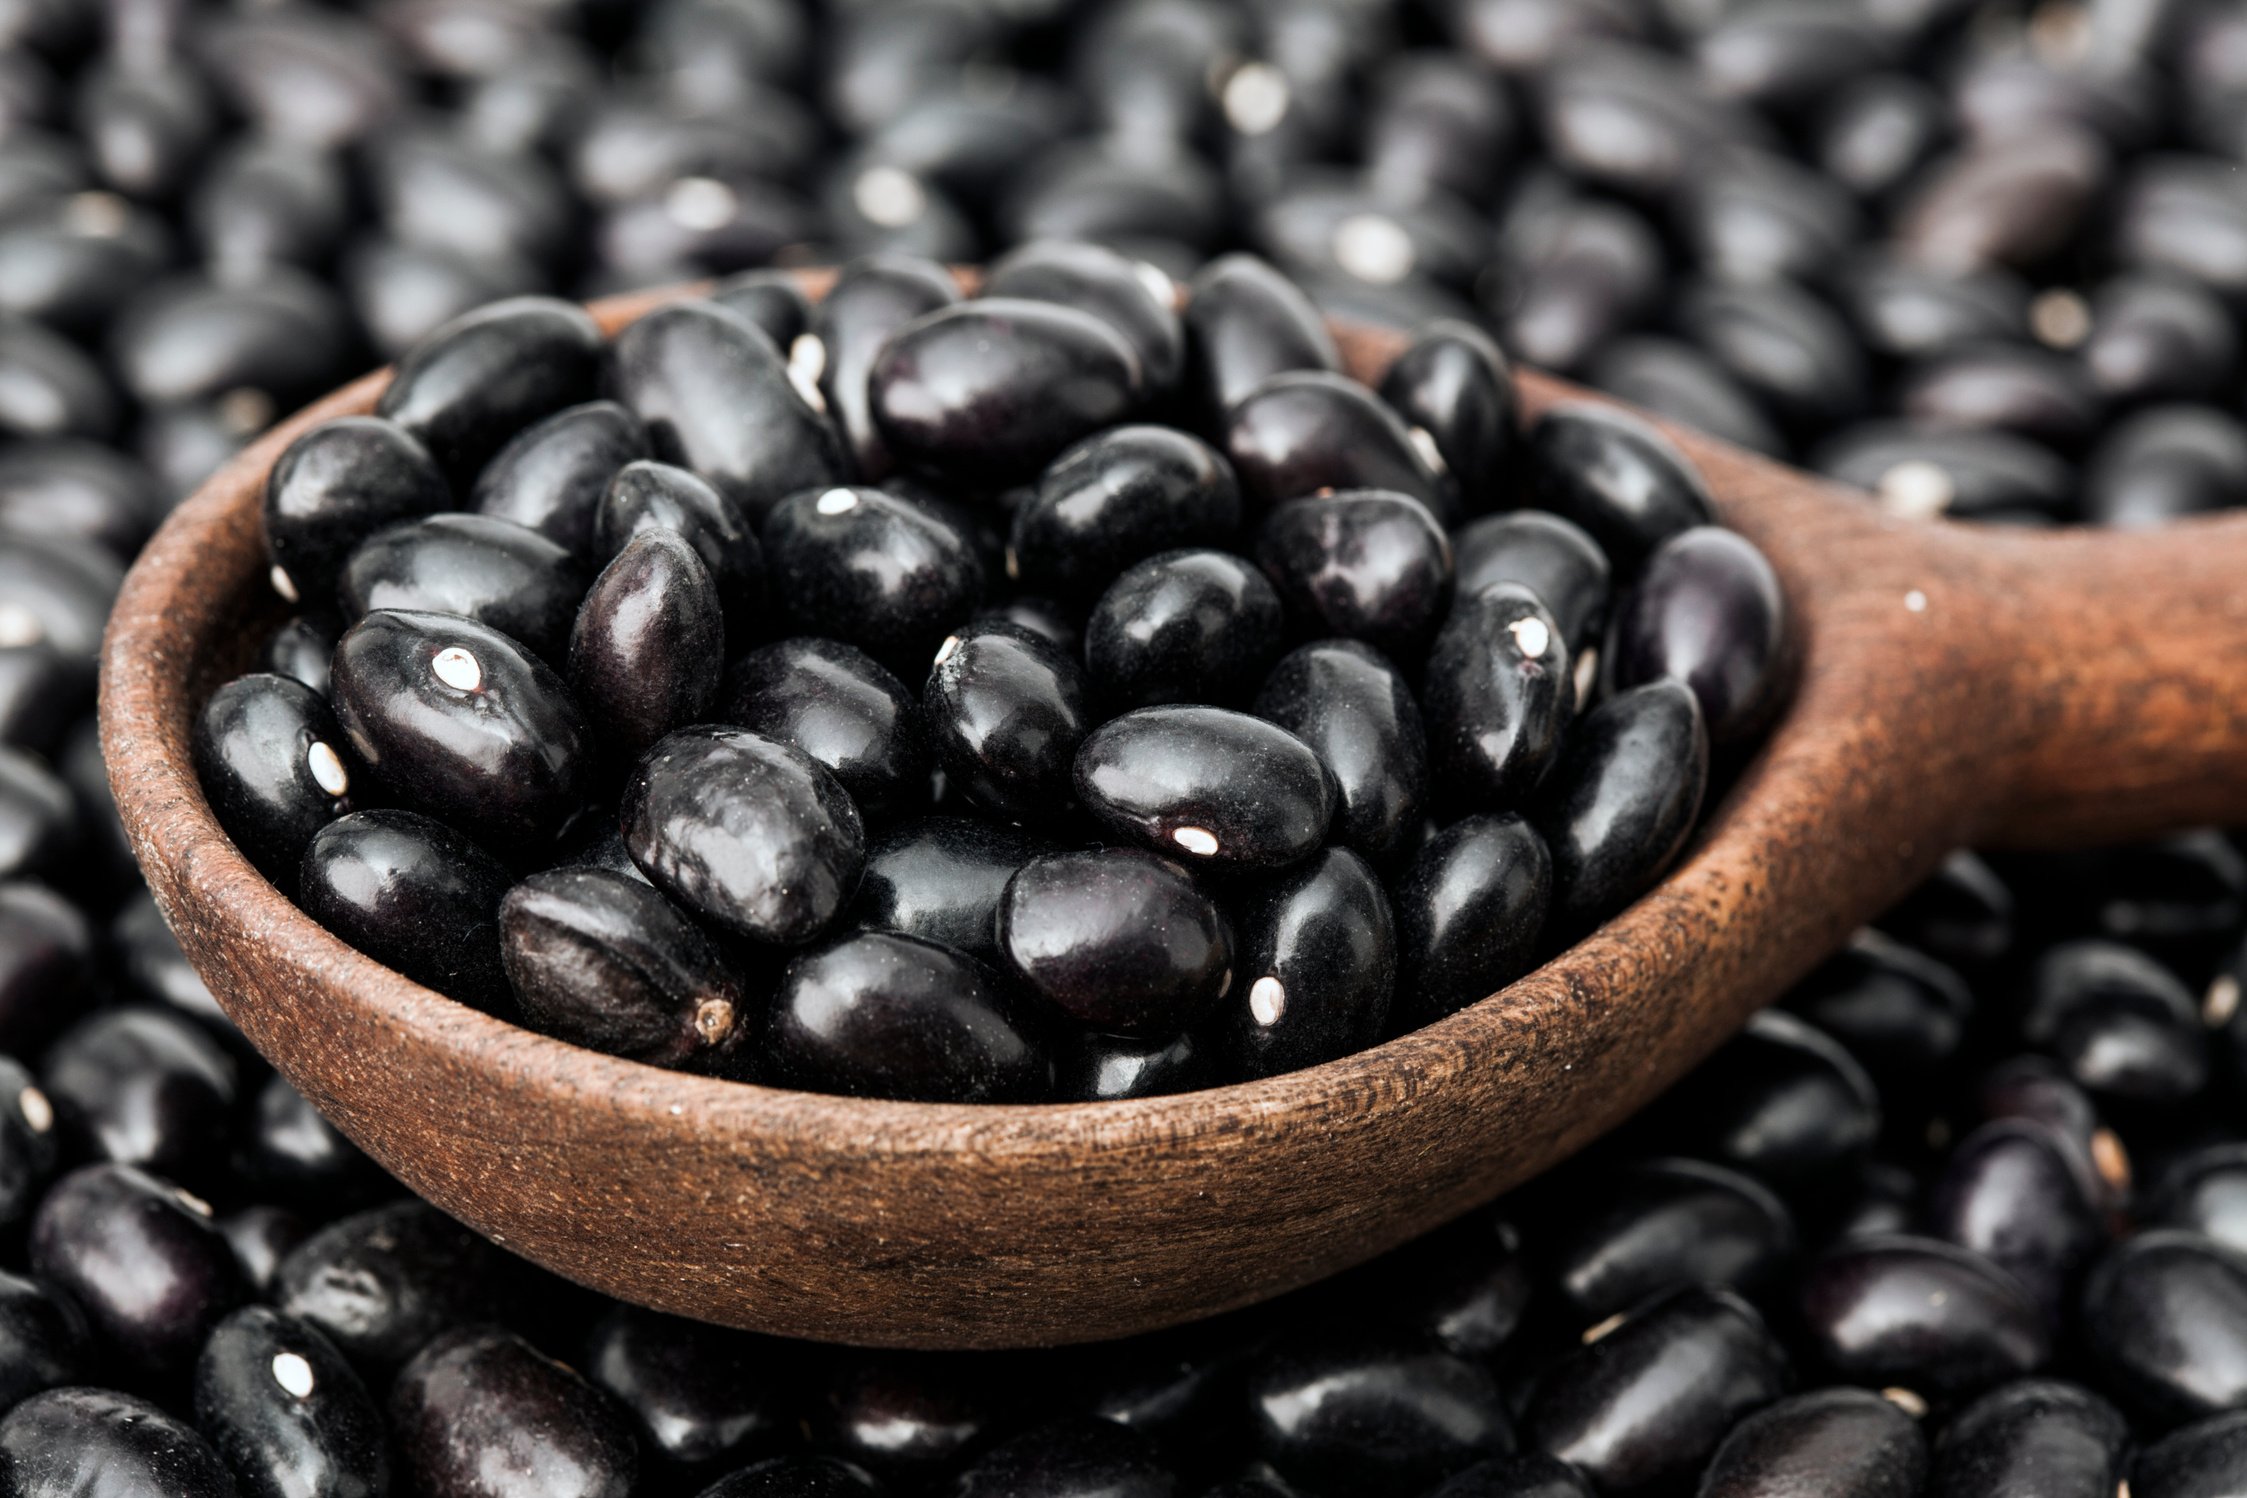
(1959, 686)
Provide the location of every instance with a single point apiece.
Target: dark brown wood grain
(2050, 688)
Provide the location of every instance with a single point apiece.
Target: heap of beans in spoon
(1059, 693)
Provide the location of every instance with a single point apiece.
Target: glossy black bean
(1075, 1458)
(73, 262)
(62, 589)
(1677, 381)
(1094, 1067)
(883, 1015)
(46, 960)
(1534, 1475)
(142, 1259)
(605, 962)
(1708, 611)
(404, 292)
(2036, 392)
(287, 1413)
(2203, 1460)
(2163, 463)
(29, 1147)
(2040, 1091)
(1470, 909)
(1787, 56)
(1342, 1415)
(1183, 626)
(1784, 345)
(2184, 215)
(702, 226)
(647, 496)
(1315, 970)
(1302, 432)
(39, 822)
(1962, 914)
(1909, 311)
(1554, 558)
(1005, 711)
(1585, 270)
(474, 383)
(872, 298)
(940, 878)
(1171, 210)
(648, 633)
(841, 707)
(263, 203)
(1245, 322)
(2032, 1438)
(1498, 693)
(2011, 1193)
(2158, 337)
(2120, 1022)
(2000, 96)
(1358, 715)
(1644, 1404)
(43, 1340)
(1360, 564)
(1622, 800)
(1780, 1101)
(51, 388)
(2204, 1191)
(334, 487)
(1616, 477)
(1116, 939)
(871, 569)
(460, 721)
(480, 1411)
(186, 340)
(750, 833)
(1219, 786)
(1757, 217)
(551, 475)
(81, 491)
(436, 187)
(1115, 498)
(1849, 1443)
(905, 1416)
(1453, 383)
(1632, 119)
(2164, 1321)
(322, 78)
(701, 1395)
(67, 1442)
(413, 894)
(149, 959)
(291, 1153)
(276, 767)
(1663, 1224)
(795, 1477)
(1337, 233)
(500, 574)
(1132, 297)
(1437, 122)
(43, 694)
(1921, 1315)
(993, 390)
(1921, 470)
(2009, 201)
(143, 1086)
(1900, 1014)
(381, 1283)
(717, 398)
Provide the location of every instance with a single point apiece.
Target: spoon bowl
(1957, 686)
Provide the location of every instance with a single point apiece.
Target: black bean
(276, 766)
(838, 705)
(1183, 626)
(1315, 970)
(2164, 1321)
(873, 570)
(1005, 711)
(701, 1395)
(1622, 800)
(2032, 1438)
(1470, 910)
(872, 298)
(1708, 611)
(414, 895)
(1921, 1315)
(1115, 498)
(648, 633)
(286, 1411)
(70, 1441)
(480, 1411)
(1849, 1443)
(380, 1284)
(1245, 323)
(1499, 694)
(1302, 432)
(1663, 1224)
(481, 378)
(1616, 477)
(552, 474)
(1342, 1415)
(1219, 786)
(1357, 714)
(143, 1086)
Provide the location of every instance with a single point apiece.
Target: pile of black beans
(1964, 1217)
(894, 696)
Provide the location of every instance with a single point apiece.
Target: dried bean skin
(877, 1014)
(605, 961)
(1218, 786)
(1118, 940)
(748, 832)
